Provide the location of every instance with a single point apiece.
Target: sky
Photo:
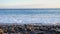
(29, 3)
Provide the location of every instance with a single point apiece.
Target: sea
(26, 16)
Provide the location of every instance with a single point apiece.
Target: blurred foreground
(29, 29)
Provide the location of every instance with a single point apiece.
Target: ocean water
(28, 11)
(24, 16)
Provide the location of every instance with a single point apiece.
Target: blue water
(28, 11)
(24, 16)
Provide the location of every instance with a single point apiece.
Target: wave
(24, 19)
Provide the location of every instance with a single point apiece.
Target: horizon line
(29, 8)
